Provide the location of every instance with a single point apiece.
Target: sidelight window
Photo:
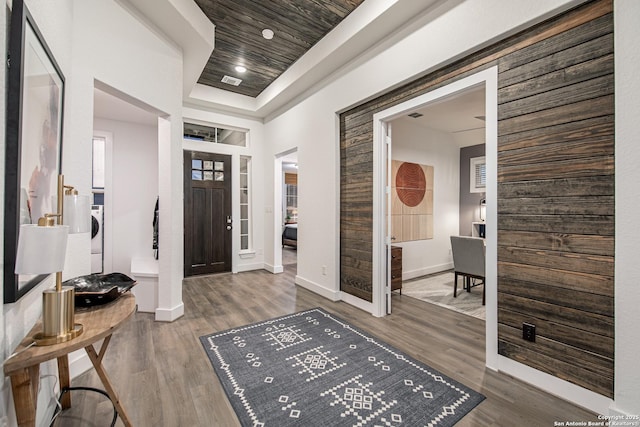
(245, 203)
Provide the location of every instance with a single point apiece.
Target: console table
(24, 367)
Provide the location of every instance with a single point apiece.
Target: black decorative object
(97, 289)
(156, 228)
(35, 100)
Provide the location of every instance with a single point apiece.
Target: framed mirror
(35, 100)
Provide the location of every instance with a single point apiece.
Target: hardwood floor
(164, 377)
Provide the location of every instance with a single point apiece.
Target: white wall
(241, 260)
(312, 128)
(627, 269)
(417, 144)
(97, 39)
(54, 21)
(133, 192)
(143, 65)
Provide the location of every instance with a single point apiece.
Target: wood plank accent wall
(555, 191)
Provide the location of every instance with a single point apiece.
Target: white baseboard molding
(407, 275)
(330, 294)
(169, 314)
(79, 361)
(249, 267)
(556, 386)
(275, 269)
(357, 302)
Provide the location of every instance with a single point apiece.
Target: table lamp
(42, 249)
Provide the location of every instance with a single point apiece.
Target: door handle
(229, 227)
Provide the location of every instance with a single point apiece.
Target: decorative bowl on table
(97, 289)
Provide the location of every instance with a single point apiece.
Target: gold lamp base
(58, 311)
(42, 340)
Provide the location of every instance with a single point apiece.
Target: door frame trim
(488, 78)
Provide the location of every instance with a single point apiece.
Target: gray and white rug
(313, 369)
(438, 289)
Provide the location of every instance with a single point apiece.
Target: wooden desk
(24, 368)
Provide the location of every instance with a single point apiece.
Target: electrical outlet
(324, 270)
(528, 332)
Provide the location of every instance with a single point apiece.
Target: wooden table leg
(63, 376)
(96, 360)
(24, 385)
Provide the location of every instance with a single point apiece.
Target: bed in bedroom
(290, 235)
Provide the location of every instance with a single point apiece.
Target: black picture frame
(34, 116)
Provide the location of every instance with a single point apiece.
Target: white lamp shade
(77, 213)
(41, 250)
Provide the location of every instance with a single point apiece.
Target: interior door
(207, 213)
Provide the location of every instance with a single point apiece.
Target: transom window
(215, 135)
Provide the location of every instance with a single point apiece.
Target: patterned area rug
(438, 289)
(314, 369)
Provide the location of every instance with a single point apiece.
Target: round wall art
(411, 184)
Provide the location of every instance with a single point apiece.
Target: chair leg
(484, 289)
(455, 284)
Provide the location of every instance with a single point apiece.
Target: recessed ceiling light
(240, 69)
(267, 33)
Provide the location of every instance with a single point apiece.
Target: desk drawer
(396, 268)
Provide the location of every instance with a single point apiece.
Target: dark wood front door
(207, 213)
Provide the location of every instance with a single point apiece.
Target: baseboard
(320, 290)
(407, 275)
(169, 314)
(357, 302)
(79, 362)
(556, 386)
(275, 269)
(249, 267)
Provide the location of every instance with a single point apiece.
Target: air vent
(415, 115)
(231, 80)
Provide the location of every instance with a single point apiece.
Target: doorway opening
(124, 178)
(286, 215)
(383, 123)
(433, 149)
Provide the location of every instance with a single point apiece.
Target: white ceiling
(107, 106)
(457, 115)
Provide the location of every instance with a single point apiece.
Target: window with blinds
(477, 175)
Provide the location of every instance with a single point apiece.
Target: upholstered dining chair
(468, 262)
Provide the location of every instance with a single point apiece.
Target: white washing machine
(97, 238)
